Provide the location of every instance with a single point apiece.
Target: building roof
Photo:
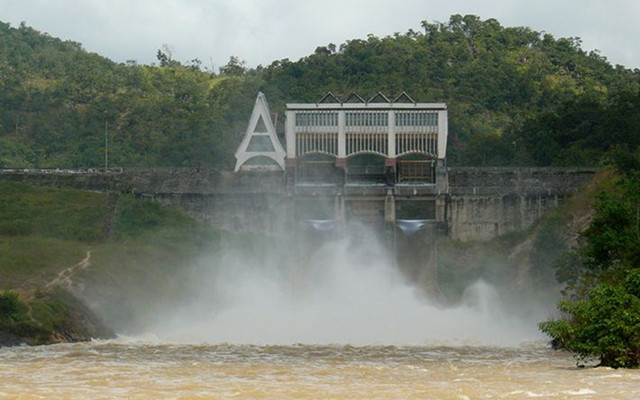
(356, 102)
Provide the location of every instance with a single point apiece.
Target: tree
(602, 316)
(235, 67)
(515, 96)
(165, 56)
(605, 325)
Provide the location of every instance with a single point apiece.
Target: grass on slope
(27, 263)
(46, 230)
(63, 214)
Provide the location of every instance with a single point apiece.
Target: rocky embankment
(8, 339)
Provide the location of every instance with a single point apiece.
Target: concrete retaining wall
(486, 202)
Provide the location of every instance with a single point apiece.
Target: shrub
(605, 325)
(12, 309)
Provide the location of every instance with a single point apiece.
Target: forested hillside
(57, 100)
(516, 97)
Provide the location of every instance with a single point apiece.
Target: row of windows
(317, 119)
(366, 118)
(412, 118)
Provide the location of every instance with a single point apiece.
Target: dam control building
(375, 160)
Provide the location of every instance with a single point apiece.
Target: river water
(151, 370)
(402, 344)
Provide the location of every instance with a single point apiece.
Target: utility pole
(106, 147)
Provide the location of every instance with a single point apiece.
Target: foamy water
(347, 291)
(136, 369)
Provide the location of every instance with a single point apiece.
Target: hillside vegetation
(58, 245)
(601, 310)
(516, 97)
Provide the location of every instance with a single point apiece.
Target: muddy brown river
(133, 369)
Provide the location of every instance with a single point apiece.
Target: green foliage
(548, 247)
(51, 312)
(51, 213)
(56, 100)
(15, 318)
(626, 160)
(134, 217)
(27, 262)
(602, 312)
(44, 230)
(234, 67)
(12, 310)
(38, 320)
(148, 221)
(606, 325)
(611, 234)
(582, 130)
(142, 259)
(515, 97)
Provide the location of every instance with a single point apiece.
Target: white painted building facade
(389, 129)
(339, 131)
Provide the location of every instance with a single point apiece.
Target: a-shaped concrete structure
(260, 148)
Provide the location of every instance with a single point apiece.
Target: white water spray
(348, 292)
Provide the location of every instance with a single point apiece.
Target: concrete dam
(478, 203)
(379, 163)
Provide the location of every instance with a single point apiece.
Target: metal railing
(416, 171)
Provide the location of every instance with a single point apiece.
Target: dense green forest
(516, 97)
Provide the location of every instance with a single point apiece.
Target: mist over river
(135, 369)
(346, 290)
(343, 323)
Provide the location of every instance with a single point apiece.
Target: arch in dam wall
(476, 203)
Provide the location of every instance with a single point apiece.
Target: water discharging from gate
(410, 226)
(334, 285)
(415, 248)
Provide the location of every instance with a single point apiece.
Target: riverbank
(64, 253)
(50, 316)
(9, 340)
